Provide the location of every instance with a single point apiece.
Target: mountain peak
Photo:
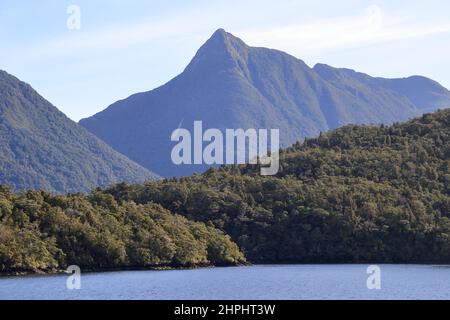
(231, 85)
(222, 48)
(219, 33)
(222, 35)
(223, 40)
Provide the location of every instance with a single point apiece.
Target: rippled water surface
(254, 282)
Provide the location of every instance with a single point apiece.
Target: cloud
(371, 27)
(112, 37)
(109, 38)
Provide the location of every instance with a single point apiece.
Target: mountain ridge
(229, 84)
(41, 148)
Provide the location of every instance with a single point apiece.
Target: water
(290, 282)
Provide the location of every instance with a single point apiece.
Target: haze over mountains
(40, 148)
(229, 84)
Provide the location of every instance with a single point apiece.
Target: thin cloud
(371, 27)
(114, 37)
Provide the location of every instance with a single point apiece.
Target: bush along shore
(40, 232)
(354, 195)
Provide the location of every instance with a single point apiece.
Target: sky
(124, 47)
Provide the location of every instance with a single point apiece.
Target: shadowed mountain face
(231, 85)
(40, 148)
(425, 94)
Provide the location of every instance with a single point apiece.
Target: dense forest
(42, 232)
(356, 194)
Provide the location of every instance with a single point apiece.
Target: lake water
(290, 282)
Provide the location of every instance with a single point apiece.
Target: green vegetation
(357, 194)
(39, 231)
(40, 148)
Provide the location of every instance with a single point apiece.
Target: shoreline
(26, 273)
(198, 266)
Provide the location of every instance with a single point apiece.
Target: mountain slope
(231, 85)
(43, 232)
(358, 194)
(425, 94)
(40, 148)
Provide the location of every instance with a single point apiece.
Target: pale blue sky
(124, 47)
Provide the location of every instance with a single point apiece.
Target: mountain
(40, 148)
(358, 194)
(425, 94)
(229, 84)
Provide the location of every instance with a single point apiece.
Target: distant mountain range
(40, 148)
(229, 84)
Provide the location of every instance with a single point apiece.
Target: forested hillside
(42, 232)
(356, 194)
(40, 148)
